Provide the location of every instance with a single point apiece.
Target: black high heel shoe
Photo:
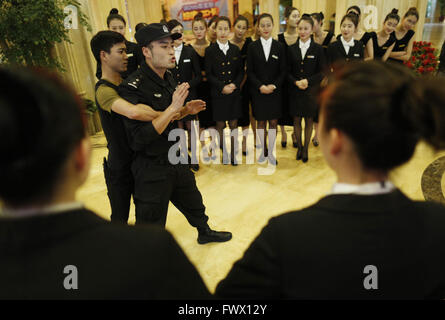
(272, 160)
(305, 155)
(315, 142)
(299, 153)
(284, 144)
(294, 143)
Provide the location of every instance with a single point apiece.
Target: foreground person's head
(45, 150)
(374, 114)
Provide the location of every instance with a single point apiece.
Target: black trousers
(120, 184)
(156, 184)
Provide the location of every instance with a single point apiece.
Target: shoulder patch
(134, 81)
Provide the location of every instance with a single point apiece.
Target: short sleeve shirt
(106, 96)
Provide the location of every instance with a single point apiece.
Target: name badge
(385, 48)
(311, 57)
(158, 95)
(186, 60)
(402, 45)
(356, 55)
(275, 57)
(129, 55)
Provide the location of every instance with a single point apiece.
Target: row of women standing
(282, 75)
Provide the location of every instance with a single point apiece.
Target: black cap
(153, 32)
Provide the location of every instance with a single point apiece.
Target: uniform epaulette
(134, 80)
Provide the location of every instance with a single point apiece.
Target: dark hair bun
(114, 11)
(198, 16)
(394, 11)
(288, 11)
(321, 15)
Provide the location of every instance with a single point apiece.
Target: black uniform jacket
(187, 69)
(312, 67)
(113, 261)
(146, 87)
(337, 53)
(326, 251)
(222, 70)
(261, 72)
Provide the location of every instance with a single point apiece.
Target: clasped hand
(302, 84)
(267, 89)
(228, 89)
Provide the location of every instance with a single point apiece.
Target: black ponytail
(319, 16)
(114, 14)
(241, 18)
(394, 14)
(199, 17)
(385, 111)
(307, 18)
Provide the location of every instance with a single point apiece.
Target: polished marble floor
(240, 200)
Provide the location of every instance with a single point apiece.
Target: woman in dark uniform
(211, 30)
(367, 233)
(225, 72)
(288, 38)
(240, 27)
(323, 38)
(307, 63)
(186, 69)
(346, 48)
(117, 23)
(384, 41)
(362, 36)
(200, 44)
(266, 69)
(405, 37)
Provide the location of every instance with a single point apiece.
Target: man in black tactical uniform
(157, 179)
(108, 48)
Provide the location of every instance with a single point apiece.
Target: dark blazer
(113, 261)
(222, 70)
(442, 58)
(187, 69)
(321, 252)
(312, 67)
(337, 53)
(261, 72)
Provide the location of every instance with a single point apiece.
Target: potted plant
(29, 30)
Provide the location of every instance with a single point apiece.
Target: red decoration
(424, 60)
